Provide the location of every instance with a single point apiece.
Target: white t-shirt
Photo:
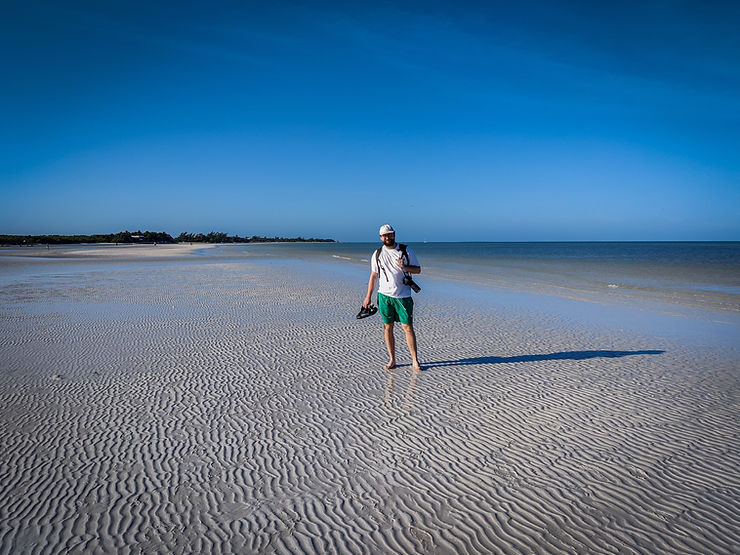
(390, 275)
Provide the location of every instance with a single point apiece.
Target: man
(395, 304)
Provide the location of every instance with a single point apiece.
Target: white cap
(386, 229)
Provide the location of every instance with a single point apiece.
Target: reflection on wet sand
(390, 392)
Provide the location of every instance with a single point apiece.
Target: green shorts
(396, 310)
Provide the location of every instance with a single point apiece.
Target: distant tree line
(146, 237)
(120, 237)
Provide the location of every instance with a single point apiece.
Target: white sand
(240, 408)
(104, 250)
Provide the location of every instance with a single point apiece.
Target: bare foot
(417, 367)
(391, 365)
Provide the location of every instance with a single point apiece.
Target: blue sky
(450, 120)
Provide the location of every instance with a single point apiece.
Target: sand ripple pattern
(240, 408)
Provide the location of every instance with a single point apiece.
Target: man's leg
(390, 343)
(411, 342)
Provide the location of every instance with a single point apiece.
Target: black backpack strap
(377, 261)
(404, 254)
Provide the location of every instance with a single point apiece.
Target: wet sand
(189, 406)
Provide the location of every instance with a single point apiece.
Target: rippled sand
(240, 407)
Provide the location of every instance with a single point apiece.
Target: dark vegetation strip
(148, 237)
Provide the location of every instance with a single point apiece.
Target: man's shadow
(568, 355)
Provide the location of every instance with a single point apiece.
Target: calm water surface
(694, 274)
(704, 275)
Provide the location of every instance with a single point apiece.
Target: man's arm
(408, 269)
(370, 288)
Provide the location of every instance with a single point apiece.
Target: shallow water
(697, 275)
(688, 290)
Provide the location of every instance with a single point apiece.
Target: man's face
(389, 239)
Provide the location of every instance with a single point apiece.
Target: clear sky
(451, 120)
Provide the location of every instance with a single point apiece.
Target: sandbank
(105, 250)
(239, 407)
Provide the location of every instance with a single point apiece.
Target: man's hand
(400, 263)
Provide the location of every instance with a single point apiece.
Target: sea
(689, 290)
(704, 275)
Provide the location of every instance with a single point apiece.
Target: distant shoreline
(148, 238)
